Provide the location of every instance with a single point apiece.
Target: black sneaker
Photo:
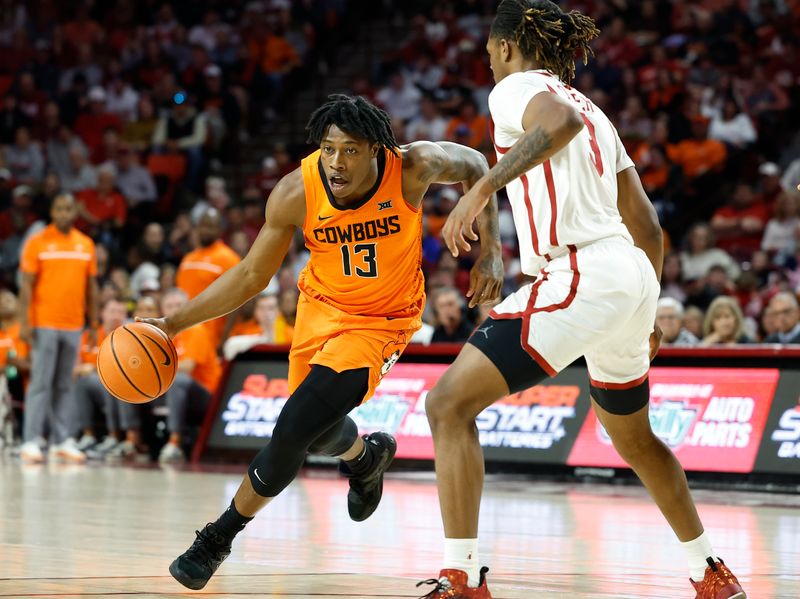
(201, 560)
(366, 489)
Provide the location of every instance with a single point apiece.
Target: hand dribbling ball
(137, 362)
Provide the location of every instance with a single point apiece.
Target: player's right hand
(162, 323)
(459, 230)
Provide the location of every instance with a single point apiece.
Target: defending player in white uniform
(590, 237)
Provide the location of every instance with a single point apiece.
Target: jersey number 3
(366, 251)
(596, 157)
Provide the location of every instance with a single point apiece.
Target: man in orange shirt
(59, 294)
(203, 266)
(199, 371)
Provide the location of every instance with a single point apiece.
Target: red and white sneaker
(452, 584)
(718, 583)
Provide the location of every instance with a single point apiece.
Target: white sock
(697, 552)
(462, 554)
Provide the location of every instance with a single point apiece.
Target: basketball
(137, 362)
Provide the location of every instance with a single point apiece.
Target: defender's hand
(459, 231)
(485, 279)
(162, 323)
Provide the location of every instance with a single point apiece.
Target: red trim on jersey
(551, 192)
(500, 149)
(531, 309)
(529, 207)
(619, 386)
(573, 286)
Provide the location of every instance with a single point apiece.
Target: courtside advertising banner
(734, 420)
(780, 447)
(711, 418)
(537, 425)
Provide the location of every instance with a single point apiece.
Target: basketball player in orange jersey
(591, 238)
(358, 202)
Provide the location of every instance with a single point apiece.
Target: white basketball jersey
(571, 199)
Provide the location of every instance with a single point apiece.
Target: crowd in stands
(137, 108)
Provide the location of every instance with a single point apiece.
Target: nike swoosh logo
(255, 471)
(167, 361)
(325, 217)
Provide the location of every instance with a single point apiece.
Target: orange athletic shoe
(452, 584)
(718, 583)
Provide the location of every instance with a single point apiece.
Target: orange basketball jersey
(365, 258)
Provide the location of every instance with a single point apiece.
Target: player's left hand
(655, 341)
(485, 279)
(459, 230)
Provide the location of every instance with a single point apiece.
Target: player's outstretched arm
(285, 211)
(447, 162)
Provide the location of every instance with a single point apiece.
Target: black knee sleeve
(337, 439)
(623, 402)
(317, 407)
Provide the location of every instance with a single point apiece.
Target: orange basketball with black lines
(137, 362)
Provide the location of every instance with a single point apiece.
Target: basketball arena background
(705, 95)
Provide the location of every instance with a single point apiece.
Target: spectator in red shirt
(739, 226)
(102, 207)
(92, 125)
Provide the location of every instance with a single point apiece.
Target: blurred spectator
(698, 155)
(724, 323)
(122, 100)
(203, 266)
(14, 352)
(92, 124)
(739, 226)
(139, 133)
(58, 283)
(784, 225)
(287, 315)
(59, 159)
(183, 130)
(81, 174)
(260, 329)
(24, 158)
(134, 181)
(693, 321)
(400, 98)
(452, 327)
(220, 107)
(198, 375)
(731, 125)
(11, 118)
(428, 124)
(102, 209)
(19, 216)
(672, 278)
(784, 309)
(468, 127)
(90, 394)
(267, 178)
(145, 259)
(669, 317)
(700, 254)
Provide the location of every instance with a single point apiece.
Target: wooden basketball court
(86, 531)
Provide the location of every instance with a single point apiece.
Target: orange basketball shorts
(327, 336)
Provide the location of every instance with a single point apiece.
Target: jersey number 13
(366, 253)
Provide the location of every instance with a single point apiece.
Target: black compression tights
(314, 420)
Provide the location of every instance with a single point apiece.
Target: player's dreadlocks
(355, 116)
(546, 34)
